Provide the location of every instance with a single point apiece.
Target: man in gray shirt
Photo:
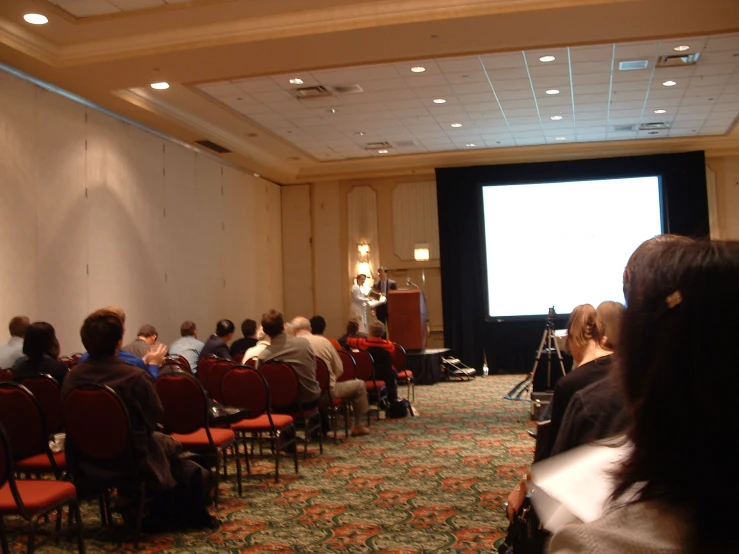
(145, 339)
(188, 346)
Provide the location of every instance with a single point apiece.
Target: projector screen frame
(543, 317)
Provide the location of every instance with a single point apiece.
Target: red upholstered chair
(365, 370)
(175, 364)
(183, 363)
(187, 419)
(349, 364)
(32, 499)
(204, 365)
(6, 375)
(25, 425)
(245, 387)
(76, 357)
(404, 374)
(49, 395)
(251, 362)
(283, 391)
(216, 373)
(332, 406)
(99, 431)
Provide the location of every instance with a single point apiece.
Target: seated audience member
(383, 372)
(164, 471)
(587, 342)
(249, 330)
(218, 344)
(39, 347)
(318, 327)
(352, 331)
(146, 338)
(676, 489)
(188, 346)
(256, 350)
(354, 391)
(295, 352)
(149, 363)
(13, 349)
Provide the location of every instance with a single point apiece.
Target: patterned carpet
(432, 483)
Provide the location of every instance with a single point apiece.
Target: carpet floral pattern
(432, 483)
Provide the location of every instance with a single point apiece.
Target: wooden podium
(407, 318)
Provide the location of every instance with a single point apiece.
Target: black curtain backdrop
(510, 346)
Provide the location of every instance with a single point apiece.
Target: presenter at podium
(383, 285)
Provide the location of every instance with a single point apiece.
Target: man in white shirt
(256, 350)
(13, 349)
(352, 391)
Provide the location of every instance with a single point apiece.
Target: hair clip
(674, 299)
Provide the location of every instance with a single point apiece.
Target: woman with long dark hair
(41, 348)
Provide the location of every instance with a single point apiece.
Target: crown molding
(30, 44)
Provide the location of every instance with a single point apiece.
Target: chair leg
(58, 530)
(3, 536)
(238, 465)
(75, 506)
(32, 536)
(246, 454)
(276, 449)
(218, 479)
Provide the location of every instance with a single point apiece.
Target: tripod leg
(561, 359)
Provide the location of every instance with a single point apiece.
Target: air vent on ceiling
(654, 125)
(623, 128)
(213, 146)
(405, 143)
(305, 93)
(678, 60)
(632, 65)
(347, 89)
(378, 145)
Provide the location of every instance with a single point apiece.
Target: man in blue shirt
(150, 362)
(188, 346)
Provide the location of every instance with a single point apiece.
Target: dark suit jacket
(381, 310)
(215, 345)
(242, 345)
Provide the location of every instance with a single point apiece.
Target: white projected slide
(564, 244)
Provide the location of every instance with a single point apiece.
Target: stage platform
(425, 365)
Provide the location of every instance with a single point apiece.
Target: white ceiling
(499, 99)
(90, 8)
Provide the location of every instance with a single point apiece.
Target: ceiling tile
(603, 53)
(459, 65)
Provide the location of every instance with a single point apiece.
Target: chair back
(282, 383)
(173, 364)
(238, 356)
(399, 357)
(97, 422)
(381, 359)
(216, 373)
(183, 363)
(244, 387)
(204, 365)
(67, 361)
(184, 401)
(76, 357)
(349, 364)
(49, 395)
(322, 374)
(251, 362)
(23, 419)
(365, 368)
(6, 375)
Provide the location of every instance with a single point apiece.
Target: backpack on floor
(400, 408)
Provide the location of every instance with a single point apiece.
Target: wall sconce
(421, 252)
(363, 249)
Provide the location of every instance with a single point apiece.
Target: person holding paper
(677, 488)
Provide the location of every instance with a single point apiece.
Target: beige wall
(95, 211)
(726, 169)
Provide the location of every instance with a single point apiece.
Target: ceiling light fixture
(360, 133)
(470, 144)
(556, 117)
(669, 83)
(383, 151)
(681, 48)
(456, 125)
(660, 111)
(418, 69)
(553, 91)
(547, 59)
(560, 138)
(160, 86)
(296, 81)
(439, 101)
(36, 19)
(333, 111)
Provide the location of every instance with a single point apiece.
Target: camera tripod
(551, 346)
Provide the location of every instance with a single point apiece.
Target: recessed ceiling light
(547, 59)
(456, 125)
(660, 111)
(439, 101)
(36, 19)
(560, 138)
(553, 91)
(418, 69)
(333, 110)
(681, 48)
(360, 133)
(669, 83)
(470, 144)
(383, 151)
(556, 117)
(296, 81)
(160, 86)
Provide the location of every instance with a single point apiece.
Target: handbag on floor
(525, 534)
